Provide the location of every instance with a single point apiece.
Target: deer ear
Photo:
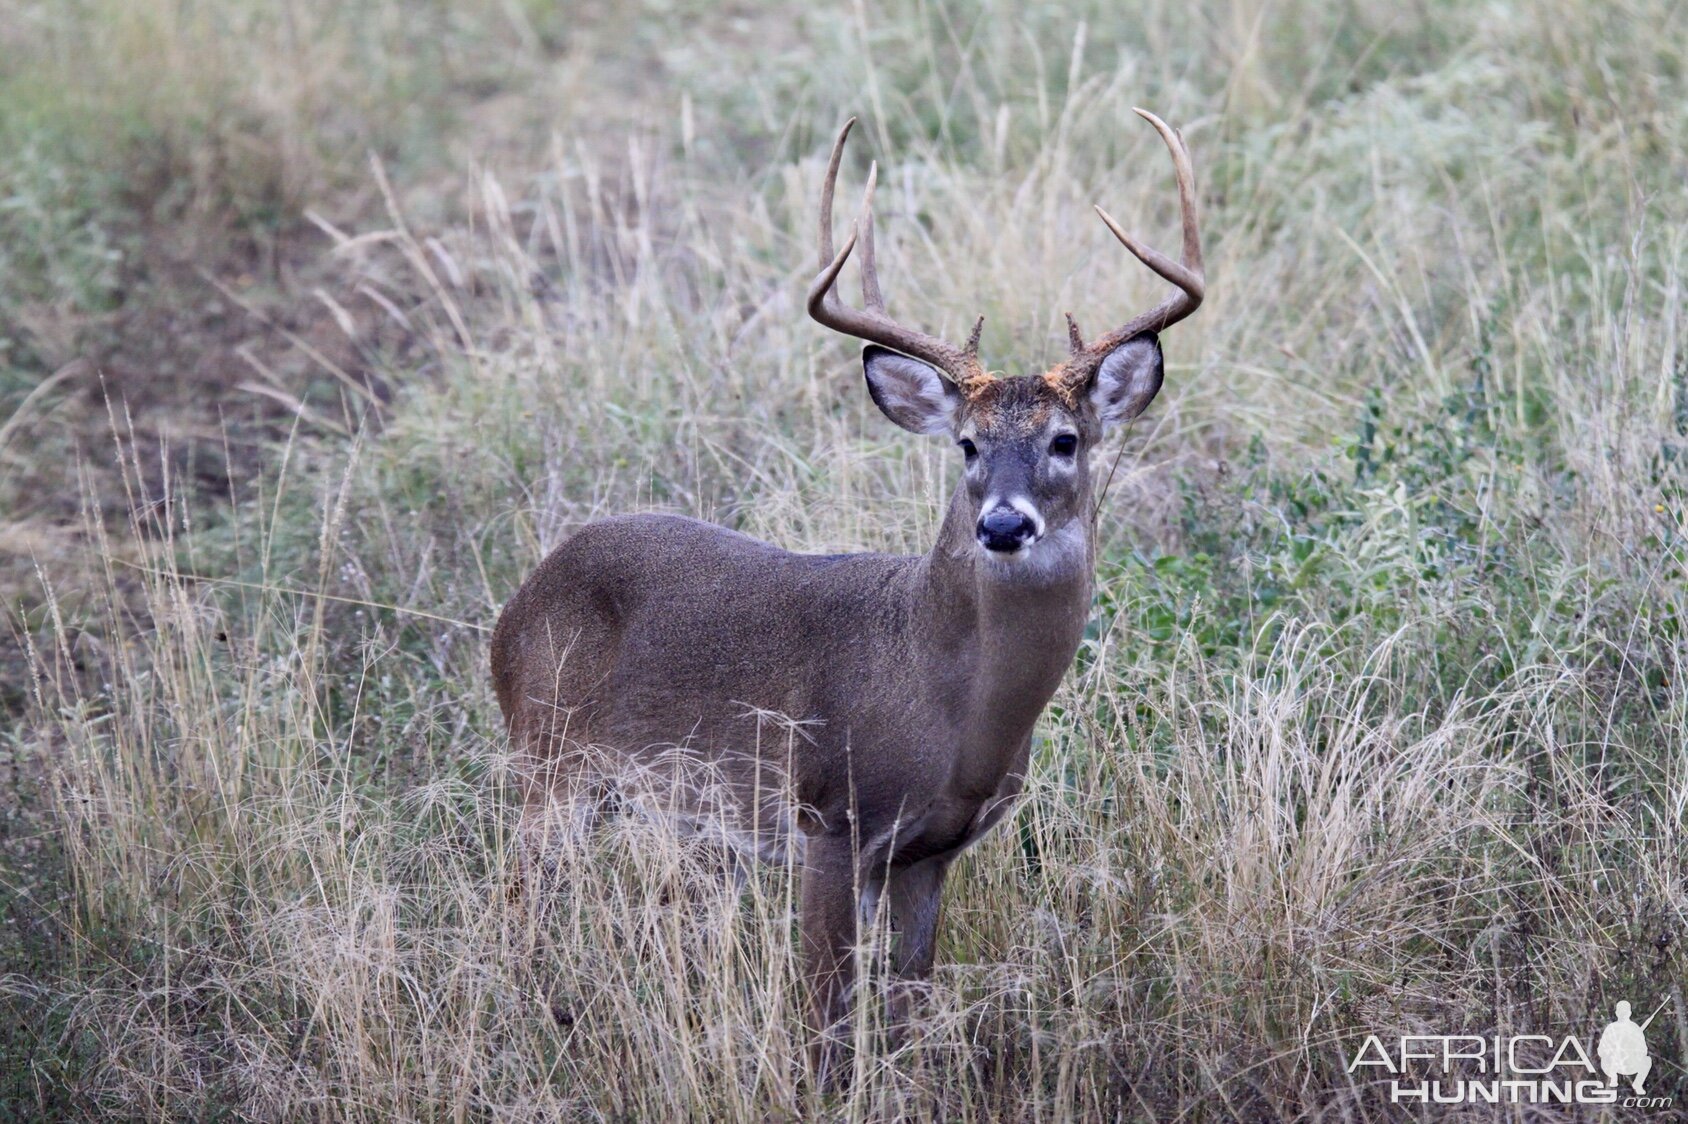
(1128, 379)
(911, 393)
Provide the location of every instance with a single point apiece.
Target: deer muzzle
(1005, 529)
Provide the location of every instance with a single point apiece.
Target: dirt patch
(194, 381)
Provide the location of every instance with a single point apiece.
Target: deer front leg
(827, 919)
(915, 893)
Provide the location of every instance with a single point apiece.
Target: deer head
(1025, 440)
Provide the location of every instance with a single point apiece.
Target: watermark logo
(1520, 1069)
(1623, 1048)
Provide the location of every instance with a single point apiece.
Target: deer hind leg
(558, 812)
(553, 715)
(563, 796)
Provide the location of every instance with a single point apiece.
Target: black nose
(1005, 529)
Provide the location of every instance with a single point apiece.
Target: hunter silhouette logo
(1623, 1048)
(1516, 1069)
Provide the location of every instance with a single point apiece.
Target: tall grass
(1380, 729)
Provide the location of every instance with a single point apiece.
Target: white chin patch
(1053, 553)
(1014, 557)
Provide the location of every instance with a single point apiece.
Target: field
(320, 324)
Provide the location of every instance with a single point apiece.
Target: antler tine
(871, 322)
(822, 303)
(826, 193)
(871, 296)
(1186, 175)
(1188, 274)
(1175, 272)
(1075, 339)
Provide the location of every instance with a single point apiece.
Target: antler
(1187, 275)
(870, 322)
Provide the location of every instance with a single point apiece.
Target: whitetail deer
(654, 642)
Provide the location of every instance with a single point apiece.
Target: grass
(1381, 726)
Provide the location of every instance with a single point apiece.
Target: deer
(655, 644)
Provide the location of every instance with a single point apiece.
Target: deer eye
(968, 449)
(1064, 446)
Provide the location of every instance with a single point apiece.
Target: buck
(656, 646)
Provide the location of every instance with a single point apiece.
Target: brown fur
(1018, 407)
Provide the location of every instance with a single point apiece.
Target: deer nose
(1003, 529)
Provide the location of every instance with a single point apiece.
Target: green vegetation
(1382, 727)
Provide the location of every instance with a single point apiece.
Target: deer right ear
(911, 393)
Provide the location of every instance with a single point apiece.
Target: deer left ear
(1128, 379)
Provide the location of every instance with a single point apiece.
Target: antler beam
(871, 322)
(1187, 275)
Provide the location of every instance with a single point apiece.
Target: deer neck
(1010, 629)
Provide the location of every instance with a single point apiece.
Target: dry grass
(1382, 726)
